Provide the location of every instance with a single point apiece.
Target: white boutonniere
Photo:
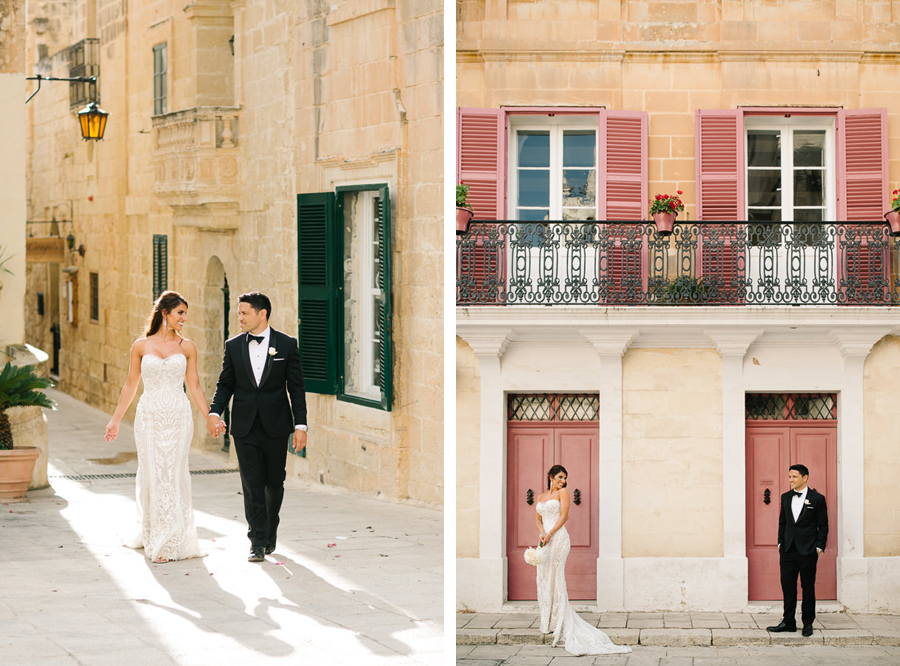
(271, 351)
(806, 502)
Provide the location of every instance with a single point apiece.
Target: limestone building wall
(12, 175)
(672, 453)
(670, 59)
(314, 96)
(468, 450)
(882, 517)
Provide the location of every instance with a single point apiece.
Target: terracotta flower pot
(665, 222)
(463, 217)
(16, 466)
(893, 220)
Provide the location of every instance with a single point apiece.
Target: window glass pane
(808, 215)
(533, 149)
(764, 187)
(578, 148)
(808, 187)
(575, 214)
(764, 215)
(534, 214)
(579, 187)
(809, 148)
(534, 187)
(764, 148)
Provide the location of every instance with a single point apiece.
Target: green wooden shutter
(318, 263)
(160, 264)
(383, 268)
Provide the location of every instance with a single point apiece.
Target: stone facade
(672, 381)
(315, 96)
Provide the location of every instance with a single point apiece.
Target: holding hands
(215, 426)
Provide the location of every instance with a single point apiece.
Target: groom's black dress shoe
(270, 549)
(807, 630)
(256, 554)
(781, 626)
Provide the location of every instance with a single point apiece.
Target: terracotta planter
(463, 217)
(893, 220)
(16, 466)
(665, 222)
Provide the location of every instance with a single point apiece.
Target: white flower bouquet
(534, 556)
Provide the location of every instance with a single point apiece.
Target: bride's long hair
(167, 301)
(556, 469)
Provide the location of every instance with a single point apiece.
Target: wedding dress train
(557, 615)
(163, 428)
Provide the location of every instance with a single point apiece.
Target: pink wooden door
(532, 450)
(771, 449)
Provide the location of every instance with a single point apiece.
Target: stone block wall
(672, 453)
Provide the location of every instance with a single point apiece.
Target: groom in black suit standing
(261, 370)
(802, 533)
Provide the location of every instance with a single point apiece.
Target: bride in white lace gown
(557, 615)
(163, 428)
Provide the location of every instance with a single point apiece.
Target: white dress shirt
(797, 503)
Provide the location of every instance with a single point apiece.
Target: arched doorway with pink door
(784, 429)
(543, 430)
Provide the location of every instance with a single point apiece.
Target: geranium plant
(664, 203)
(462, 196)
(895, 199)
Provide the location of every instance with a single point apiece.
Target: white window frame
(793, 124)
(364, 221)
(556, 126)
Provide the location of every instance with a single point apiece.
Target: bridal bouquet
(534, 556)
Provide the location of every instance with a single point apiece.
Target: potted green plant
(20, 386)
(464, 212)
(664, 209)
(893, 215)
(684, 290)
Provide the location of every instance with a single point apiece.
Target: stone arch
(212, 335)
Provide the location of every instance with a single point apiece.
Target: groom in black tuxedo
(802, 533)
(261, 370)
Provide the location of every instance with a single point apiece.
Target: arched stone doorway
(216, 325)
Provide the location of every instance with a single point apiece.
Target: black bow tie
(798, 493)
(250, 338)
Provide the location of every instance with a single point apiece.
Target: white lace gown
(557, 615)
(163, 428)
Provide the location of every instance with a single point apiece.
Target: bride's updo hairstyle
(167, 301)
(556, 469)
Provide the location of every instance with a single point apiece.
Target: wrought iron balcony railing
(701, 263)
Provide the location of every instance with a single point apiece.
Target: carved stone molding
(197, 167)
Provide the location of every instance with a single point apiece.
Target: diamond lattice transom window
(791, 406)
(553, 407)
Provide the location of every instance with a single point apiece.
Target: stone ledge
(886, 637)
(796, 638)
(846, 637)
(735, 637)
(476, 636)
(676, 637)
(520, 635)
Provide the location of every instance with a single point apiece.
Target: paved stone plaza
(354, 580)
(683, 639)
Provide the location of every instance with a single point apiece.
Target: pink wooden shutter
(481, 160)
(623, 165)
(481, 164)
(622, 195)
(862, 184)
(719, 158)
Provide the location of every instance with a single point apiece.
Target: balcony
(196, 166)
(729, 264)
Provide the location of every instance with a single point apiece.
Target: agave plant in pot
(893, 215)
(664, 209)
(20, 386)
(464, 212)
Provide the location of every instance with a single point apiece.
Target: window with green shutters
(345, 293)
(160, 264)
